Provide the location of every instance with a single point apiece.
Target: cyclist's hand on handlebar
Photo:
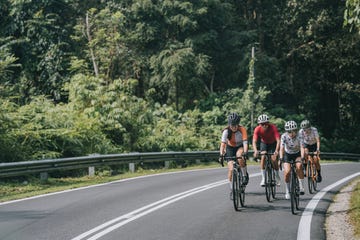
(245, 155)
(221, 160)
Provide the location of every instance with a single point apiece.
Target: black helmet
(233, 119)
(305, 124)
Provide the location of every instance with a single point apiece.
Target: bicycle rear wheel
(235, 189)
(273, 183)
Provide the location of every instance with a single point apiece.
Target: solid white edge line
(304, 229)
(102, 184)
(131, 216)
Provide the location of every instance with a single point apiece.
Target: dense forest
(110, 76)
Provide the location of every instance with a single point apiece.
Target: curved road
(183, 205)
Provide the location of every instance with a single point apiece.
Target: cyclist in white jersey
(291, 150)
(311, 143)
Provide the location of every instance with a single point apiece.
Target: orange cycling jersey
(236, 139)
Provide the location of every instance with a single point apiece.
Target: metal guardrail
(48, 165)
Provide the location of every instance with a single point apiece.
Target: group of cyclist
(291, 146)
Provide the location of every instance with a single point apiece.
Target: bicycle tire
(297, 192)
(241, 189)
(292, 190)
(235, 189)
(268, 181)
(273, 183)
(309, 174)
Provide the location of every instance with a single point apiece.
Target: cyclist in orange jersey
(234, 142)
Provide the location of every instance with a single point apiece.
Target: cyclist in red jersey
(269, 137)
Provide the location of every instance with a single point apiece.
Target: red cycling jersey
(268, 136)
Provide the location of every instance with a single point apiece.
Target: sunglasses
(291, 131)
(264, 124)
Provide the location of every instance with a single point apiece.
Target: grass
(354, 212)
(32, 186)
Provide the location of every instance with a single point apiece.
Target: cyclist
(291, 150)
(311, 143)
(270, 142)
(234, 142)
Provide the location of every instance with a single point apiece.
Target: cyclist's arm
(281, 152)
(318, 144)
(245, 139)
(302, 151)
(277, 149)
(222, 148)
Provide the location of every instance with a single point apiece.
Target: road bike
(270, 180)
(311, 172)
(294, 188)
(238, 186)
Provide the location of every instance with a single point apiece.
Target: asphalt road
(183, 205)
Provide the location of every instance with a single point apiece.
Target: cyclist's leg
(263, 149)
(306, 157)
(242, 164)
(271, 149)
(230, 152)
(286, 168)
(300, 173)
(316, 160)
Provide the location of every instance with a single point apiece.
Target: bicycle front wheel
(293, 190)
(273, 183)
(241, 189)
(268, 182)
(310, 177)
(235, 189)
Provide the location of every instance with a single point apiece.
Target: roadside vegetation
(354, 211)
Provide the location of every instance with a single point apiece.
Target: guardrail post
(91, 171)
(198, 161)
(44, 176)
(167, 164)
(132, 167)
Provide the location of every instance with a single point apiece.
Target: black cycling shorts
(288, 157)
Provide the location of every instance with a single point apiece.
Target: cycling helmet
(263, 118)
(233, 119)
(290, 126)
(305, 124)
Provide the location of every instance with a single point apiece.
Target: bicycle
(270, 180)
(238, 186)
(311, 172)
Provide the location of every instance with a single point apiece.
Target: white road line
(120, 221)
(129, 217)
(305, 221)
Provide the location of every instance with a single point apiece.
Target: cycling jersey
(292, 145)
(237, 138)
(268, 135)
(309, 138)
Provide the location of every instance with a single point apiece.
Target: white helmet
(290, 126)
(263, 118)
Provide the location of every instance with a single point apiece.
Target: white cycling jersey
(309, 137)
(292, 145)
